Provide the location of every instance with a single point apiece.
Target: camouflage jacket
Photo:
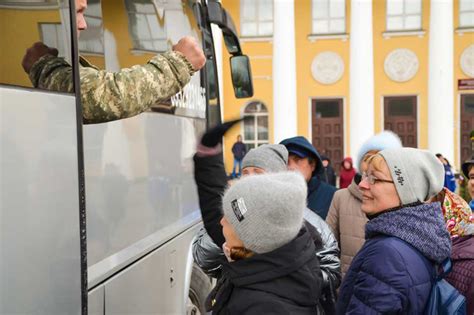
(108, 96)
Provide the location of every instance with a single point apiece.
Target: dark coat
(284, 281)
(320, 196)
(210, 191)
(393, 272)
(462, 274)
(328, 175)
(239, 150)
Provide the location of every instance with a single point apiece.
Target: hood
(293, 265)
(355, 191)
(463, 248)
(324, 157)
(347, 159)
(302, 144)
(421, 226)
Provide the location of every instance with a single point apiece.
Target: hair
(438, 155)
(366, 157)
(376, 161)
(469, 168)
(239, 253)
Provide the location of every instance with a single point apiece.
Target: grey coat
(209, 256)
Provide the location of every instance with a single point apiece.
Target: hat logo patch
(400, 178)
(239, 208)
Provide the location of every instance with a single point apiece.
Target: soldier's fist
(34, 53)
(189, 47)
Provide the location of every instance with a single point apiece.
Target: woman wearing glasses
(405, 237)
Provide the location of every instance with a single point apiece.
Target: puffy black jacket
(284, 281)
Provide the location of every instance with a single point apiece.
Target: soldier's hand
(34, 53)
(189, 47)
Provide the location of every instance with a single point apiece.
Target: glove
(213, 136)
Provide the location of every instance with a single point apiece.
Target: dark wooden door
(328, 129)
(467, 125)
(400, 117)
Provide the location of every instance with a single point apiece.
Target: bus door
(41, 199)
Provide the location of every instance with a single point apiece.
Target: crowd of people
(282, 239)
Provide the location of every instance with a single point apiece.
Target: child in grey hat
(279, 272)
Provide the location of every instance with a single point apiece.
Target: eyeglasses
(372, 179)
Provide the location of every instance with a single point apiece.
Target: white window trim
(389, 34)
(403, 15)
(461, 30)
(268, 39)
(329, 35)
(315, 37)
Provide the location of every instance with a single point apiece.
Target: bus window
(29, 30)
(130, 32)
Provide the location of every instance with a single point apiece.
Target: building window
(52, 35)
(329, 16)
(403, 15)
(256, 18)
(256, 125)
(466, 13)
(91, 40)
(148, 33)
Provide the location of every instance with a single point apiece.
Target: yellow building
(406, 64)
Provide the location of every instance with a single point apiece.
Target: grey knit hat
(418, 175)
(381, 141)
(269, 157)
(266, 210)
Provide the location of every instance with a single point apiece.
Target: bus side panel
(39, 207)
(139, 180)
(154, 285)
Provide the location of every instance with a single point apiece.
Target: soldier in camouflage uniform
(108, 96)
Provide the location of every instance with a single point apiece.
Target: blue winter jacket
(393, 272)
(320, 196)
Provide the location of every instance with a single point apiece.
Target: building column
(361, 92)
(284, 70)
(440, 81)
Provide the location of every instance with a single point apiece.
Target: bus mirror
(241, 76)
(220, 17)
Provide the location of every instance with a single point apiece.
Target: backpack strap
(444, 268)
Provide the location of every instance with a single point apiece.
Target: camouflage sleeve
(52, 73)
(108, 96)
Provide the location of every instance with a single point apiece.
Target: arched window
(256, 126)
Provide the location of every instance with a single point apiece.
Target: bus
(100, 218)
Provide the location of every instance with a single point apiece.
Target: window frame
(257, 20)
(88, 16)
(328, 19)
(136, 40)
(256, 141)
(403, 16)
(466, 11)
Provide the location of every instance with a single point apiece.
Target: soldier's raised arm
(108, 96)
